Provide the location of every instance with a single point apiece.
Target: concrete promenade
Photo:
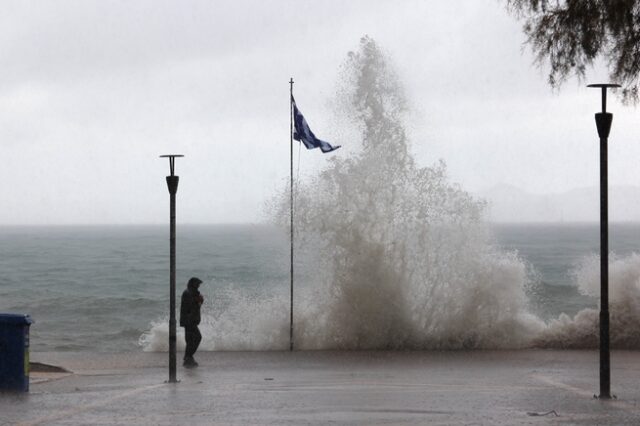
(330, 388)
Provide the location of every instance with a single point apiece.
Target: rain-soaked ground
(339, 388)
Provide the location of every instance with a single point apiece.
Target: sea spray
(582, 331)
(397, 256)
(389, 254)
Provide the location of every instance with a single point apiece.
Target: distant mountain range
(508, 203)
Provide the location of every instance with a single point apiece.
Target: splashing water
(401, 257)
(232, 319)
(582, 331)
(391, 255)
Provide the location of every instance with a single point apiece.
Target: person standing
(190, 319)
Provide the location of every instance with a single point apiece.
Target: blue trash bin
(14, 352)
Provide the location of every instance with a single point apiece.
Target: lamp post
(172, 184)
(603, 123)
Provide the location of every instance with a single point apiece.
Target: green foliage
(571, 34)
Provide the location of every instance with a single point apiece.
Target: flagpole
(291, 206)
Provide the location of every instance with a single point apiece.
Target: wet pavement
(532, 387)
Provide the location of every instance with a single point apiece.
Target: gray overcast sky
(92, 92)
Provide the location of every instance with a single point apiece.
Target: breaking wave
(582, 331)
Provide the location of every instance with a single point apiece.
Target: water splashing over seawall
(392, 255)
(398, 256)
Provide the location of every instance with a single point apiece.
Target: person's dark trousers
(193, 337)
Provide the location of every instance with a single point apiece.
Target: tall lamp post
(172, 184)
(603, 123)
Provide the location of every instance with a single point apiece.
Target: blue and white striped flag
(302, 132)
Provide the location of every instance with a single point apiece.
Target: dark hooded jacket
(190, 306)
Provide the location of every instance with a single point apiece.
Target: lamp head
(172, 158)
(604, 87)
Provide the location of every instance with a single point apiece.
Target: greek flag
(302, 132)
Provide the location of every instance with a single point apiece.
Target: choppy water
(101, 288)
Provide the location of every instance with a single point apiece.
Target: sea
(106, 288)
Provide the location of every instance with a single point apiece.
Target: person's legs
(197, 338)
(192, 338)
(189, 340)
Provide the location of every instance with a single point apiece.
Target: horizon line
(61, 225)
